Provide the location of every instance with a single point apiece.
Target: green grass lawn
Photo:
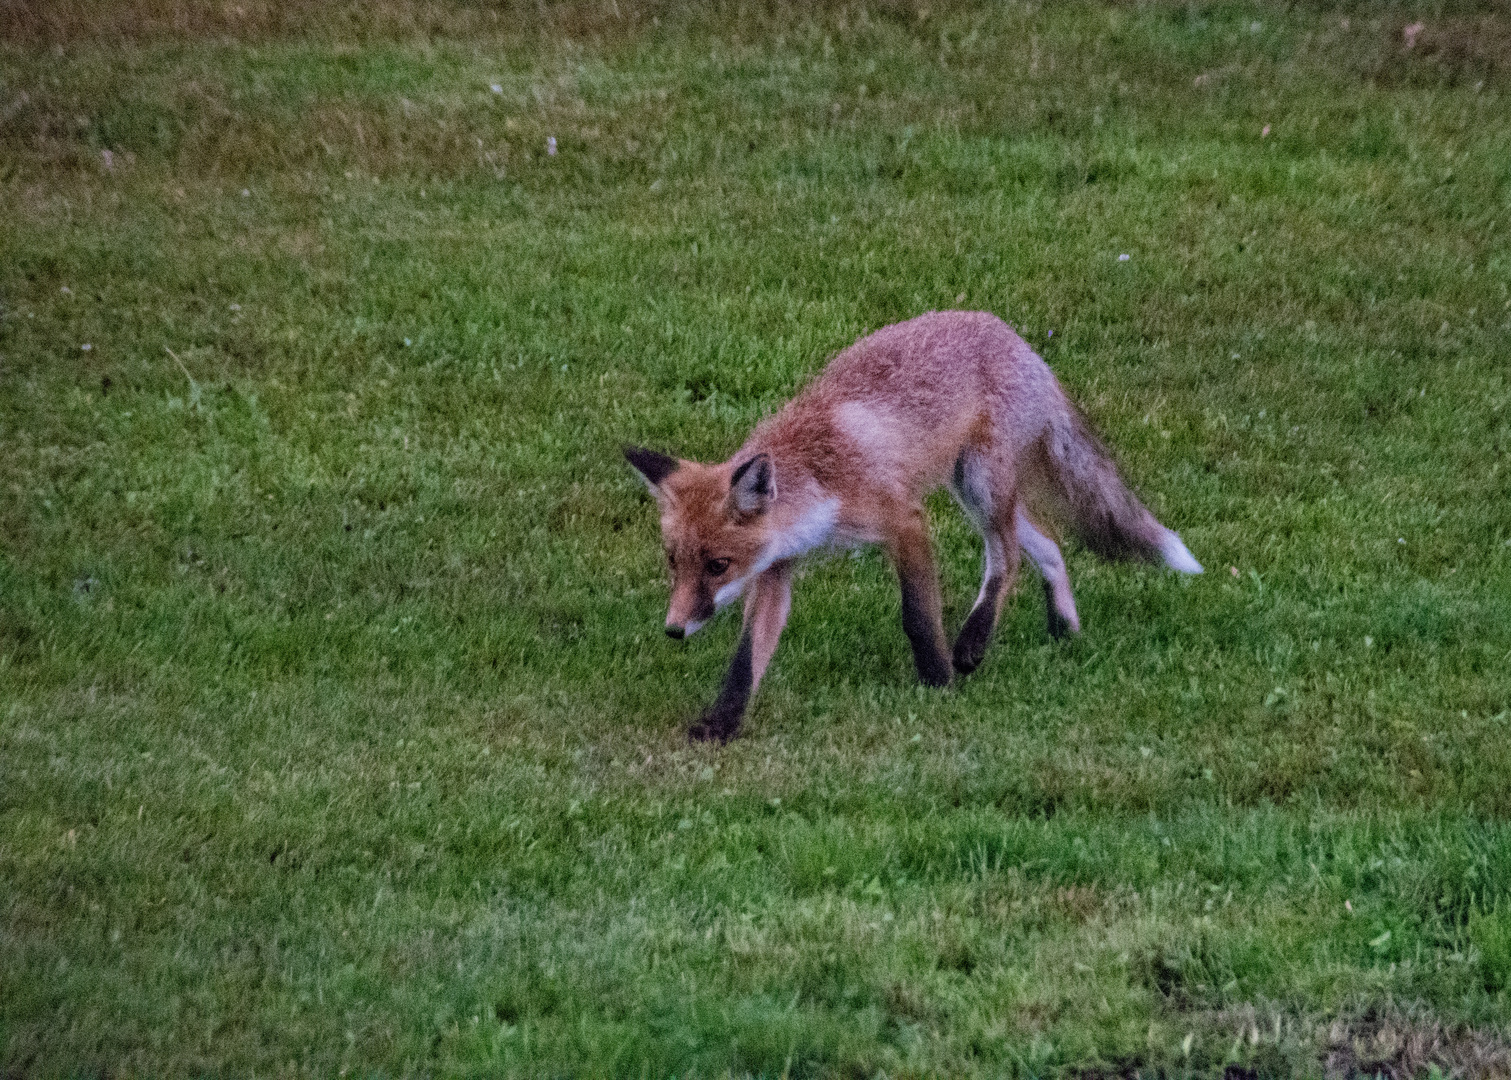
(338, 734)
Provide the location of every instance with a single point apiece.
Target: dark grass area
(337, 728)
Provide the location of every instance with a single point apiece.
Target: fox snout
(688, 612)
(677, 631)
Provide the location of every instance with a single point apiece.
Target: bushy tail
(1107, 517)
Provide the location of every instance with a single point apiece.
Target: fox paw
(716, 725)
(975, 636)
(968, 659)
(935, 674)
(1059, 625)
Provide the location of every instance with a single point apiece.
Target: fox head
(714, 528)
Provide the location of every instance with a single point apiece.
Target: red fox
(950, 397)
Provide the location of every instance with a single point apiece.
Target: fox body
(949, 398)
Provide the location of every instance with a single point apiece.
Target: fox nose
(676, 633)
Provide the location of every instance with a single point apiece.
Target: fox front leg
(922, 605)
(767, 603)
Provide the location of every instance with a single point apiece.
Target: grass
(337, 731)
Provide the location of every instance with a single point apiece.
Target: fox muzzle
(678, 631)
(691, 607)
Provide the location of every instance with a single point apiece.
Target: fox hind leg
(992, 514)
(1044, 553)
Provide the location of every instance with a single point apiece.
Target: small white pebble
(1124, 258)
(551, 145)
(86, 346)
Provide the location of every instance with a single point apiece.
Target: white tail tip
(1177, 555)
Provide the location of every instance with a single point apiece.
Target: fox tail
(1105, 514)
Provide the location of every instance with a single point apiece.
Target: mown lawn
(338, 734)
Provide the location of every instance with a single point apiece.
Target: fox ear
(652, 467)
(753, 486)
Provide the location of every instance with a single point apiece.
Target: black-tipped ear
(652, 467)
(753, 485)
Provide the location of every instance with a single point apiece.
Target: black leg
(1059, 627)
(721, 721)
(976, 634)
(923, 634)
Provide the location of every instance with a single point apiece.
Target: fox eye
(715, 567)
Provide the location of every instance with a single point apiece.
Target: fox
(951, 399)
